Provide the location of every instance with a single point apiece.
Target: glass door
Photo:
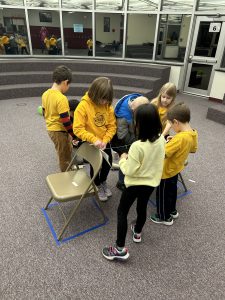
(205, 55)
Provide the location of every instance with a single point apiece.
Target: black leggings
(104, 171)
(142, 193)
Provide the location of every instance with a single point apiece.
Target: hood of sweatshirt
(122, 108)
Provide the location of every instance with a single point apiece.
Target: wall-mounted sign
(214, 27)
(78, 28)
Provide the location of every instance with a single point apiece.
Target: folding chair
(75, 185)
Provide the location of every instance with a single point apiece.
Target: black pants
(104, 171)
(142, 193)
(166, 197)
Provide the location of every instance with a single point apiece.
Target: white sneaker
(101, 193)
(106, 189)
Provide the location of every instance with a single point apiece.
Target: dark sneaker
(174, 214)
(154, 218)
(112, 253)
(136, 236)
(120, 186)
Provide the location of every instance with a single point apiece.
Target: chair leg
(50, 200)
(98, 203)
(182, 181)
(69, 219)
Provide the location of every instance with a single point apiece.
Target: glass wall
(178, 5)
(209, 5)
(143, 5)
(78, 4)
(140, 35)
(77, 30)
(13, 32)
(110, 5)
(146, 23)
(45, 32)
(43, 3)
(172, 37)
(109, 34)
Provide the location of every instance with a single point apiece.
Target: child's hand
(124, 155)
(103, 146)
(169, 138)
(98, 144)
(75, 143)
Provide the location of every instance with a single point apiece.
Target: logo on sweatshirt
(99, 119)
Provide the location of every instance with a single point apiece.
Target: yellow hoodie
(177, 150)
(94, 122)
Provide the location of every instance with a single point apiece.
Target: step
(86, 65)
(76, 89)
(80, 77)
(216, 113)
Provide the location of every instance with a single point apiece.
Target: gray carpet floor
(183, 261)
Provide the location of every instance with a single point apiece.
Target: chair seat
(69, 185)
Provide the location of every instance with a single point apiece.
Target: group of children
(13, 44)
(139, 130)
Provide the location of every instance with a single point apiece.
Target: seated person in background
(52, 45)
(22, 44)
(125, 135)
(5, 42)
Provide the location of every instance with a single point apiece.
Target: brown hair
(180, 112)
(62, 73)
(101, 89)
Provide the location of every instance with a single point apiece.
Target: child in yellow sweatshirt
(95, 122)
(177, 150)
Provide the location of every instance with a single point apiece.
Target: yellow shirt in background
(177, 151)
(94, 122)
(162, 113)
(144, 164)
(54, 104)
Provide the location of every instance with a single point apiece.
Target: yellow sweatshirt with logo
(94, 122)
(177, 151)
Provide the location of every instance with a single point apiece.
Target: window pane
(45, 32)
(78, 4)
(172, 37)
(143, 5)
(43, 3)
(211, 5)
(207, 42)
(12, 2)
(109, 35)
(77, 30)
(13, 32)
(177, 5)
(140, 36)
(110, 5)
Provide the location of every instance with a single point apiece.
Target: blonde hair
(168, 88)
(101, 89)
(137, 102)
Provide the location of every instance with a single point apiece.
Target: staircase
(23, 78)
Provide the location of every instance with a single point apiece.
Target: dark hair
(62, 73)
(147, 123)
(180, 112)
(73, 104)
(101, 89)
